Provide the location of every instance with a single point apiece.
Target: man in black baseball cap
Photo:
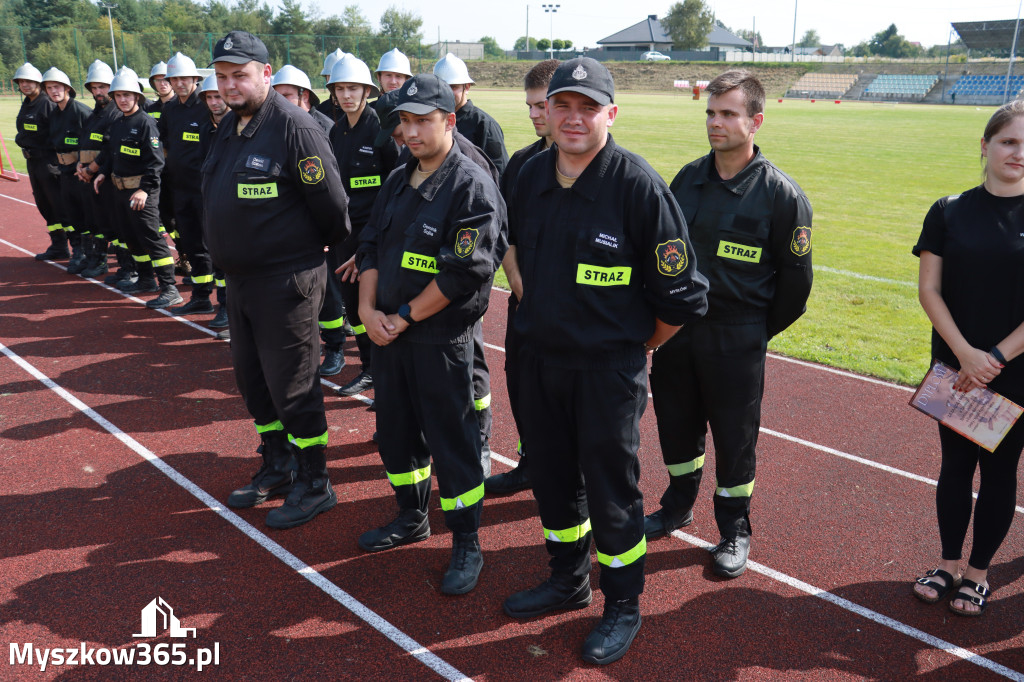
(421, 291)
(273, 199)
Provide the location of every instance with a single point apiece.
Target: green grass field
(871, 172)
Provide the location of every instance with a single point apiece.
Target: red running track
(121, 430)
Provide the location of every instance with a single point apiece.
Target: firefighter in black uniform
(293, 84)
(271, 166)
(97, 207)
(33, 124)
(476, 124)
(132, 159)
(751, 228)
(329, 107)
(605, 270)
(364, 166)
(218, 108)
(66, 123)
(536, 85)
(426, 260)
(179, 125)
(162, 87)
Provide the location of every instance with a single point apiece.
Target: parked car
(655, 56)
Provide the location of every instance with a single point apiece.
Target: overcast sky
(587, 21)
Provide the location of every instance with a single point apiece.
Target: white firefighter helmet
(57, 76)
(180, 66)
(27, 72)
(452, 70)
(126, 80)
(330, 60)
(209, 85)
(395, 62)
(292, 75)
(159, 69)
(351, 69)
(99, 73)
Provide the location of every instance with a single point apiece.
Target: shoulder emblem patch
(671, 257)
(801, 243)
(311, 170)
(154, 142)
(465, 241)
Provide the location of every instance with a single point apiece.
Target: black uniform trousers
(45, 186)
(332, 314)
(275, 349)
(188, 220)
(167, 206)
(105, 221)
(350, 297)
(140, 231)
(71, 209)
(711, 373)
(583, 430)
(481, 383)
(424, 399)
(512, 348)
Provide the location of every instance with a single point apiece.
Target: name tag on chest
(262, 191)
(597, 276)
(130, 151)
(742, 252)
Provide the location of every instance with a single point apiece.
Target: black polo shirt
(97, 125)
(515, 164)
(180, 127)
(600, 261)
(132, 147)
(448, 230)
(363, 166)
(272, 195)
(752, 235)
(483, 131)
(66, 129)
(33, 123)
(980, 238)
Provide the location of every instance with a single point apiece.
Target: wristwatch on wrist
(405, 312)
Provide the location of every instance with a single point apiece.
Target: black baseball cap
(423, 93)
(240, 47)
(586, 76)
(385, 107)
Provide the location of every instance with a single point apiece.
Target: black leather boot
(312, 493)
(610, 640)
(510, 481)
(664, 521)
(559, 592)
(464, 569)
(411, 526)
(275, 476)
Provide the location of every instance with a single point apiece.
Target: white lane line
(166, 313)
(870, 278)
(852, 607)
(20, 201)
(378, 623)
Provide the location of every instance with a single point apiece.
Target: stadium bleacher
(900, 86)
(822, 85)
(982, 89)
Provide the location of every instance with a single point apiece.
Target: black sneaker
(664, 521)
(510, 481)
(411, 526)
(307, 499)
(559, 592)
(168, 296)
(731, 556)
(220, 320)
(196, 306)
(610, 640)
(334, 361)
(464, 569)
(362, 382)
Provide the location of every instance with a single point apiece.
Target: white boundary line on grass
(371, 618)
(883, 620)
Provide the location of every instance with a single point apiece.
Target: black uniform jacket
(752, 235)
(475, 154)
(272, 195)
(329, 109)
(33, 123)
(515, 164)
(600, 260)
(155, 108)
(132, 148)
(363, 166)
(180, 126)
(95, 130)
(66, 128)
(484, 132)
(447, 230)
(325, 122)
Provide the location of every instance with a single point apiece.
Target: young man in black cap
(426, 259)
(607, 276)
(751, 227)
(535, 83)
(270, 166)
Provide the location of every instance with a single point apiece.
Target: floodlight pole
(551, 9)
(792, 55)
(1013, 53)
(110, 20)
(945, 77)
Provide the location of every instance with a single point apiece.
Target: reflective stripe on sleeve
(624, 559)
(202, 279)
(482, 403)
(54, 228)
(141, 259)
(569, 534)
(466, 499)
(359, 329)
(332, 324)
(410, 478)
(163, 261)
(272, 426)
(221, 282)
(745, 490)
(686, 467)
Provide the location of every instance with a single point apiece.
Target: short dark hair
(753, 91)
(540, 75)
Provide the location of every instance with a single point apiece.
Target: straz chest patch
(742, 252)
(465, 241)
(801, 243)
(311, 170)
(130, 151)
(671, 257)
(267, 190)
(597, 276)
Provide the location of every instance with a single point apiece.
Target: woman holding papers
(971, 286)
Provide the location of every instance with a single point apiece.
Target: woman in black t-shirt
(971, 286)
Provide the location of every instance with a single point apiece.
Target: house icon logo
(158, 616)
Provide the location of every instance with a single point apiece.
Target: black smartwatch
(405, 312)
